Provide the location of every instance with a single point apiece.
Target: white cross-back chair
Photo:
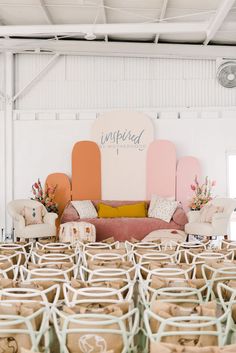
(16, 247)
(169, 245)
(207, 255)
(167, 272)
(12, 262)
(142, 245)
(176, 294)
(47, 273)
(17, 325)
(146, 258)
(95, 245)
(96, 293)
(56, 258)
(106, 256)
(187, 326)
(107, 273)
(94, 325)
(193, 245)
(218, 275)
(25, 294)
(54, 247)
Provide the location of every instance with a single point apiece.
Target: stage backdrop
(123, 138)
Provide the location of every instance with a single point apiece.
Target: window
(231, 161)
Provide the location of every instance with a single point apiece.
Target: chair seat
(199, 228)
(38, 231)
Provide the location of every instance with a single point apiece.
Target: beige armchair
(46, 229)
(220, 221)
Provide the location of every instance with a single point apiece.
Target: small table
(165, 235)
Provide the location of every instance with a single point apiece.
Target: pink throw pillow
(180, 217)
(33, 215)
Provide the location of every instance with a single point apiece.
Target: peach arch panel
(188, 167)
(161, 169)
(86, 171)
(63, 191)
(123, 137)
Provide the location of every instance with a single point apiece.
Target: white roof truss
(181, 22)
(218, 19)
(103, 29)
(162, 15)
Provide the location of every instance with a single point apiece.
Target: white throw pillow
(85, 209)
(162, 208)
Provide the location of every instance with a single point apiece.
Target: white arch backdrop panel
(123, 138)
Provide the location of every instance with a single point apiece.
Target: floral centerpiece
(202, 193)
(46, 197)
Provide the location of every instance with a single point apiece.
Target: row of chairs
(94, 296)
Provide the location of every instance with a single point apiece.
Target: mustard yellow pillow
(138, 210)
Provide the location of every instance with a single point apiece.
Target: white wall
(86, 82)
(58, 110)
(43, 147)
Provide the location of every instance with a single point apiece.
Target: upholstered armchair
(219, 225)
(45, 229)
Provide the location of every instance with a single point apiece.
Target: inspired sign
(123, 138)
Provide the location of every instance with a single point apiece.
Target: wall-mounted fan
(226, 74)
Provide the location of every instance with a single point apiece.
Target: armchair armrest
(220, 223)
(19, 220)
(50, 218)
(193, 216)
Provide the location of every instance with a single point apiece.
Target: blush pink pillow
(180, 217)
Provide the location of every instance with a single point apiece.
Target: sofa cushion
(33, 215)
(162, 208)
(85, 208)
(180, 217)
(138, 210)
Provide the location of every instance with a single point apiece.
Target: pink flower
(193, 187)
(213, 183)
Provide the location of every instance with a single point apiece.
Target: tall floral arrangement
(202, 193)
(46, 197)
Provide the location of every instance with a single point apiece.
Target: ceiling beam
(218, 19)
(102, 29)
(162, 15)
(46, 12)
(120, 49)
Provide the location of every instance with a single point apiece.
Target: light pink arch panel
(161, 169)
(187, 168)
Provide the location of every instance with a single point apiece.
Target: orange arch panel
(86, 171)
(63, 191)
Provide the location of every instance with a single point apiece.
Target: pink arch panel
(86, 171)
(187, 168)
(161, 169)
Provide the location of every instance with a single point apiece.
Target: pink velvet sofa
(124, 228)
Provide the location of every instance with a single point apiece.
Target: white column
(9, 165)
(2, 170)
